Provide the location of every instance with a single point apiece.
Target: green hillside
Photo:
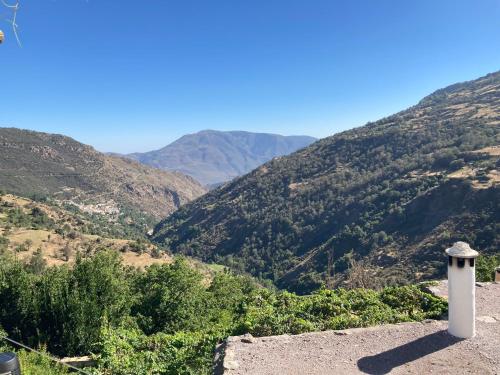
(56, 166)
(370, 206)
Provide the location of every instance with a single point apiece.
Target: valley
(344, 233)
(216, 157)
(383, 199)
(249, 187)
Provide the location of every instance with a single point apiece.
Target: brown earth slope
(33, 163)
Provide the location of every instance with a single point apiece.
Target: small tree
(4, 243)
(67, 251)
(37, 262)
(27, 244)
(156, 253)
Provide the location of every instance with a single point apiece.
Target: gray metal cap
(9, 364)
(461, 250)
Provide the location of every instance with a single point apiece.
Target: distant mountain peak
(368, 207)
(213, 157)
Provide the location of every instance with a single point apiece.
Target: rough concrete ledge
(406, 348)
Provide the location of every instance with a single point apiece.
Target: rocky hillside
(44, 234)
(373, 205)
(33, 163)
(213, 157)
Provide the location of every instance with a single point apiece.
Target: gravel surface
(407, 348)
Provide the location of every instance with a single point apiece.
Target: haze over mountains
(213, 157)
(369, 206)
(34, 163)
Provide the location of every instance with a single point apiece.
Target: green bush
(36, 364)
(268, 313)
(126, 351)
(33, 363)
(485, 267)
(168, 318)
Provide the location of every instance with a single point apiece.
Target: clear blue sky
(134, 75)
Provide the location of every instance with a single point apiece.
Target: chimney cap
(461, 250)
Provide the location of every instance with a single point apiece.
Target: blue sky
(135, 75)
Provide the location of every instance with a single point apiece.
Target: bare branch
(14, 7)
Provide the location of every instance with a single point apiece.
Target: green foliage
(168, 318)
(383, 191)
(37, 263)
(130, 224)
(35, 364)
(4, 243)
(164, 304)
(37, 219)
(486, 266)
(64, 307)
(138, 246)
(269, 313)
(129, 351)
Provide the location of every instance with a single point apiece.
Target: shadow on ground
(384, 362)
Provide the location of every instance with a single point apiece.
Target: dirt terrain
(60, 249)
(408, 348)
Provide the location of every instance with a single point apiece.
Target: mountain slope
(371, 205)
(58, 166)
(213, 157)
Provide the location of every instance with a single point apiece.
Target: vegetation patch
(167, 318)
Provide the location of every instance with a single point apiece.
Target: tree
(67, 251)
(27, 244)
(37, 262)
(76, 303)
(4, 243)
(173, 298)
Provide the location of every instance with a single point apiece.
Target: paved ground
(409, 348)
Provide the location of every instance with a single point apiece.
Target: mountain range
(34, 163)
(366, 207)
(213, 157)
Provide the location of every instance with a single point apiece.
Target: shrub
(485, 267)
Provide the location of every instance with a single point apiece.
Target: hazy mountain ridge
(389, 196)
(213, 157)
(58, 166)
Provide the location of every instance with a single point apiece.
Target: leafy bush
(33, 363)
(268, 313)
(485, 267)
(125, 351)
(168, 318)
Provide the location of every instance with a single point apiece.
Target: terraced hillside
(42, 234)
(374, 205)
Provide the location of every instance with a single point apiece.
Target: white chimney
(461, 290)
